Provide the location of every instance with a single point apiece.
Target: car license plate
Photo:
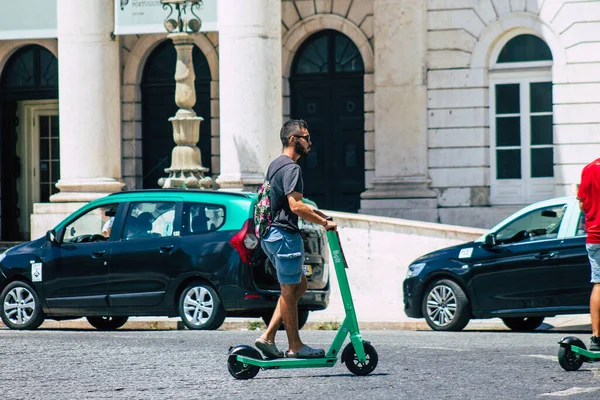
(307, 269)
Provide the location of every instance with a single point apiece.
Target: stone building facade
(454, 111)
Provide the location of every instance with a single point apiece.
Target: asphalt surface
(171, 364)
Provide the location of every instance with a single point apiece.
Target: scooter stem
(350, 324)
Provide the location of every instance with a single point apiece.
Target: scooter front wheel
(238, 369)
(567, 359)
(356, 367)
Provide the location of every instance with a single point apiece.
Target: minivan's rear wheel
(21, 307)
(302, 318)
(445, 306)
(200, 307)
(107, 323)
(523, 324)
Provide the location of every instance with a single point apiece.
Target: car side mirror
(490, 240)
(51, 236)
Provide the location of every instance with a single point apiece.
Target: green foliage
(255, 325)
(328, 326)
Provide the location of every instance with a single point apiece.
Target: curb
(239, 324)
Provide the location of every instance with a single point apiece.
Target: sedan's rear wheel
(107, 323)
(523, 324)
(21, 307)
(200, 307)
(445, 306)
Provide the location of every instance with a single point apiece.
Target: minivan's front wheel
(107, 323)
(200, 307)
(21, 307)
(445, 306)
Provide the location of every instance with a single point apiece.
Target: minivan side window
(199, 218)
(93, 226)
(149, 219)
(543, 223)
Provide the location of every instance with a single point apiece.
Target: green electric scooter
(572, 353)
(244, 362)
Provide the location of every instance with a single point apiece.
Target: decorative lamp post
(186, 168)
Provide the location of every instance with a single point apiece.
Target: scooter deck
(282, 363)
(586, 355)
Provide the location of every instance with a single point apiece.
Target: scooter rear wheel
(567, 359)
(356, 367)
(238, 369)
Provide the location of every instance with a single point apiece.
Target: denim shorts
(594, 256)
(286, 252)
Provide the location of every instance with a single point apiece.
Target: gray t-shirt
(285, 177)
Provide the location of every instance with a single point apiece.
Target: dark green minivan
(186, 253)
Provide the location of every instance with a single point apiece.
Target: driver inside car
(107, 226)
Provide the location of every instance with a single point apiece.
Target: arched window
(524, 48)
(327, 52)
(521, 122)
(32, 67)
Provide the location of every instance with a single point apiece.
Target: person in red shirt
(589, 202)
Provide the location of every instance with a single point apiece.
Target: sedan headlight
(415, 269)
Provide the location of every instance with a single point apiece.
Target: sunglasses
(305, 137)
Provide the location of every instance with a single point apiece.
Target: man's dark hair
(291, 128)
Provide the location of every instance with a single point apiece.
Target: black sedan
(530, 266)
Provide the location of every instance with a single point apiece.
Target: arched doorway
(29, 137)
(158, 105)
(327, 91)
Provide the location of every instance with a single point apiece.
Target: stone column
(89, 101)
(250, 81)
(401, 183)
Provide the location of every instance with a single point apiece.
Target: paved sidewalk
(565, 323)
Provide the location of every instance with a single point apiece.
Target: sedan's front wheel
(21, 307)
(200, 307)
(445, 306)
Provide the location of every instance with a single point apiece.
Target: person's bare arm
(319, 213)
(307, 213)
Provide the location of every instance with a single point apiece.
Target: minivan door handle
(98, 254)
(166, 249)
(545, 256)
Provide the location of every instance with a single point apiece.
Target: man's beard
(299, 149)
